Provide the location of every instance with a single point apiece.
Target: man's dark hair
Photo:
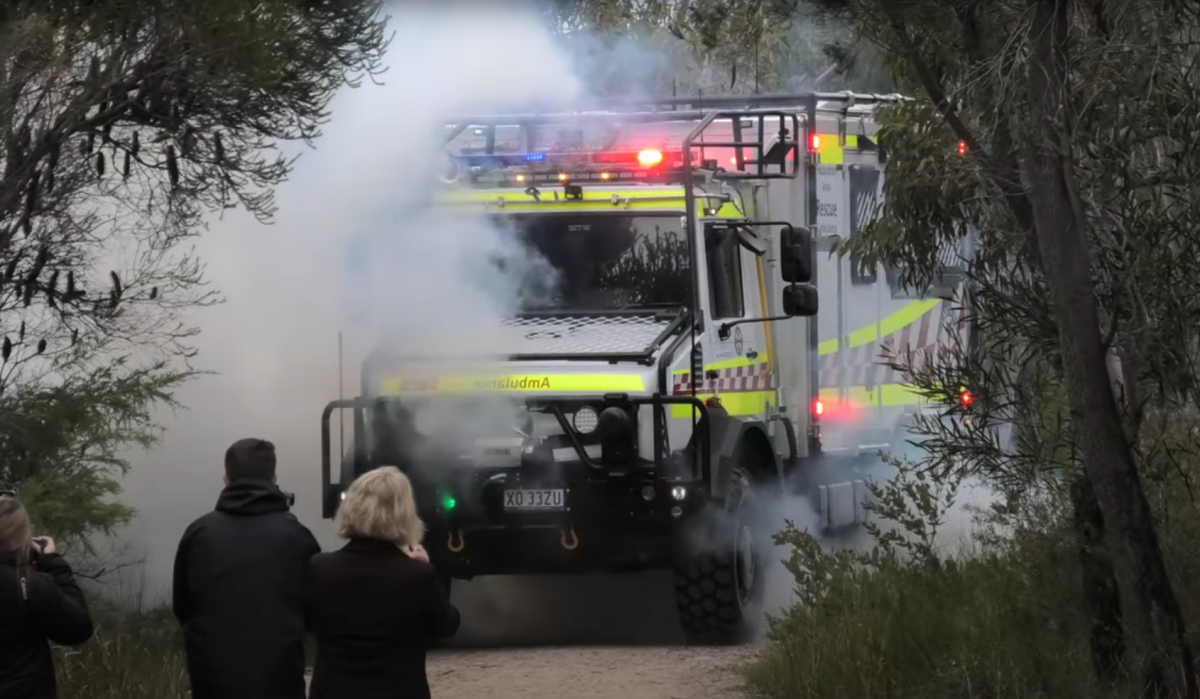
(250, 459)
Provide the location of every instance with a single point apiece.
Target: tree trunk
(1101, 597)
(1148, 601)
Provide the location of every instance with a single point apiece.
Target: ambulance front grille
(566, 335)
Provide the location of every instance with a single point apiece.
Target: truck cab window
(724, 255)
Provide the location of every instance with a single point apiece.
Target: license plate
(552, 499)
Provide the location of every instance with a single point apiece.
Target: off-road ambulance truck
(698, 347)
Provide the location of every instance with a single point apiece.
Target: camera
(36, 548)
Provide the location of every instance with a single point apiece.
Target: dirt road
(587, 673)
(586, 638)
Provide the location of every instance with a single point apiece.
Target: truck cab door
(732, 276)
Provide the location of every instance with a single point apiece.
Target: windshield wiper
(651, 304)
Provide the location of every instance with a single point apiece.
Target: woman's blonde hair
(16, 531)
(379, 505)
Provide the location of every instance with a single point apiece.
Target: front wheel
(719, 580)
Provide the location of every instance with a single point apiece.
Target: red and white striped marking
(756, 377)
(864, 365)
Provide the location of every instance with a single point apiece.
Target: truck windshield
(604, 261)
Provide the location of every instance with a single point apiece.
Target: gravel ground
(587, 673)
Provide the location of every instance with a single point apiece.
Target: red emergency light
(962, 147)
(814, 142)
(965, 398)
(650, 157)
(818, 407)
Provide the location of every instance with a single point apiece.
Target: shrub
(905, 618)
(136, 655)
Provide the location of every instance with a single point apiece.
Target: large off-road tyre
(719, 588)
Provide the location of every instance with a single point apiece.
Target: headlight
(586, 420)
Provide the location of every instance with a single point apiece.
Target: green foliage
(703, 47)
(62, 445)
(919, 613)
(124, 125)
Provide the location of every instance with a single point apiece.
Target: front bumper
(621, 523)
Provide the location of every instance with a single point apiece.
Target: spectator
(39, 602)
(239, 585)
(376, 604)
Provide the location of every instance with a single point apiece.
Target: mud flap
(842, 505)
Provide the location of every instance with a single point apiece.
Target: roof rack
(633, 110)
(763, 132)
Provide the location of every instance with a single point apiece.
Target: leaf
(31, 195)
(114, 296)
(100, 164)
(6, 349)
(125, 168)
(41, 346)
(21, 334)
(188, 144)
(52, 289)
(39, 263)
(172, 166)
(218, 148)
(153, 293)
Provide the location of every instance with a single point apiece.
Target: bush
(905, 618)
(132, 656)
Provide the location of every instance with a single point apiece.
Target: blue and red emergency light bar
(647, 164)
(646, 158)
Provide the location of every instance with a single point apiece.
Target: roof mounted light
(650, 157)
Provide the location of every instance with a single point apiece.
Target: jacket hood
(249, 498)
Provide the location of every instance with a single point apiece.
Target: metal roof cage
(734, 137)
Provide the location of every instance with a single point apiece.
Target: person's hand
(45, 544)
(418, 552)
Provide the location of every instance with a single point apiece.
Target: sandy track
(587, 673)
(595, 637)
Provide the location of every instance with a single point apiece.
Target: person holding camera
(40, 603)
(238, 586)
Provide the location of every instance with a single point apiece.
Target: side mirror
(331, 499)
(796, 255)
(800, 300)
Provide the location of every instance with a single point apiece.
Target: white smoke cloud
(352, 251)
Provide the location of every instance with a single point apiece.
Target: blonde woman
(39, 602)
(377, 604)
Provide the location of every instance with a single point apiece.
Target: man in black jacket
(239, 585)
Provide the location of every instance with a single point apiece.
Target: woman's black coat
(374, 611)
(38, 604)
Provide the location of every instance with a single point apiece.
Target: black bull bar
(701, 456)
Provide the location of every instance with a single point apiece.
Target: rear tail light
(818, 408)
(965, 399)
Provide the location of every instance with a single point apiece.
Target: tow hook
(455, 541)
(569, 540)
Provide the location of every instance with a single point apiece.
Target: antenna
(341, 396)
